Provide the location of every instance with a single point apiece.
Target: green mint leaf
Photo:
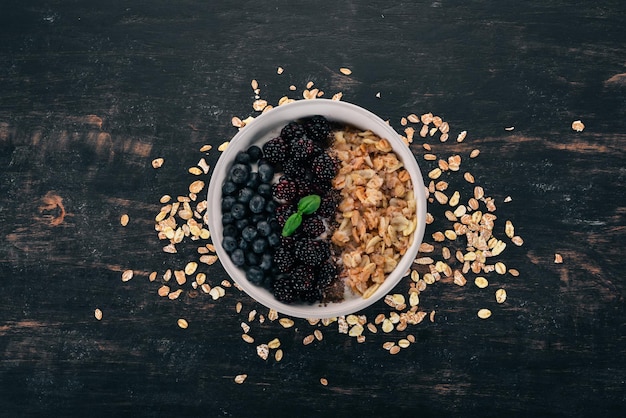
(293, 222)
(309, 204)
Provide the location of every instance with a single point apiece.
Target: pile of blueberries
(251, 231)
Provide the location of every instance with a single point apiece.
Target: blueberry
(255, 153)
(229, 187)
(252, 259)
(259, 245)
(243, 245)
(227, 218)
(242, 223)
(253, 180)
(230, 230)
(228, 202)
(273, 239)
(239, 173)
(275, 225)
(229, 244)
(257, 217)
(264, 228)
(242, 157)
(238, 258)
(255, 275)
(249, 233)
(239, 211)
(265, 190)
(270, 206)
(257, 204)
(266, 262)
(245, 195)
(266, 172)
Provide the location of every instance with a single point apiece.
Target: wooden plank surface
(92, 92)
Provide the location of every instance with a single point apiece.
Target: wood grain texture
(91, 92)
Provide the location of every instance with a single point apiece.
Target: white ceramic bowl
(267, 126)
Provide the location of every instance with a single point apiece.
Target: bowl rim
(269, 124)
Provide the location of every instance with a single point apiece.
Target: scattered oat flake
(509, 128)
(484, 313)
(97, 314)
(324, 381)
(182, 323)
(500, 295)
(223, 146)
(578, 126)
(259, 105)
(263, 351)
(124, 220)
(558, 259)
(345, 71)
(157, 162)
(127, 275)
(240, 378)
(278, 356)
(286, 322)
(279, 70)
(206, 148)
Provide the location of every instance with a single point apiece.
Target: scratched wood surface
(91, 92)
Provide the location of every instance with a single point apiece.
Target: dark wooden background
(92, 91)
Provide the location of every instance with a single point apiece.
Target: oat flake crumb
(345, 71)
(98, 314)
(578, 126)
(558, 259)
(240, 378)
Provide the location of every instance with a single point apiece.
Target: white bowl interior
(267, 126)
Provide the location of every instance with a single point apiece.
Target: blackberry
(293, 168)
(292, 131)
(312, 252)
(303, 278)
(276, 150)
(283, 259)
(313, 226)
(282, 287)
(317, 128)
(328, 206)
(324, 167)
(305, 187)
(283, 212)
(326, 275)
(288, 242)
(303, 149)
(286, 189)
(311, 295)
